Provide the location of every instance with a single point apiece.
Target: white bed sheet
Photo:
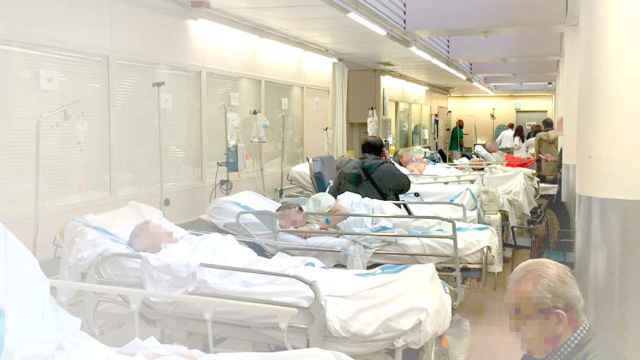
(462, 194)
(77, 258)
(223, 211)
(152, 349)
(517, 188)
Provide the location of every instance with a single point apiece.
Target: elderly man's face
(159, 237)
(405, 159)
(539, 329)
(291, 219)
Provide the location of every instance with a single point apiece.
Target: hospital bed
(39, 328)
(361, 249)
(251, 217)
(283, 321)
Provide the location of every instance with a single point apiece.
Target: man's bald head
(150, 236)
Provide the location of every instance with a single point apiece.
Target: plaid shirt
(569, 350)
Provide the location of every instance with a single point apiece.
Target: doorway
(528, 118)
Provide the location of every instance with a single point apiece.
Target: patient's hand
(304, 234)
(417, 167)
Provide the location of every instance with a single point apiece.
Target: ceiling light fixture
(367, 23)
(438, 63)
(483, 88)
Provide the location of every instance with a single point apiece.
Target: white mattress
(223, 211)
(354, 323)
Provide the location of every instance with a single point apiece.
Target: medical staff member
(505, 140)
(456, 142)
(373, 175)
(546, 310)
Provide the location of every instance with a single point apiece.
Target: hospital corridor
(319, 180)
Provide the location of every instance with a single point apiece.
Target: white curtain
(339, 108)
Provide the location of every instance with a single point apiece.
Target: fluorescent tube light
(536, 83)
(438, 63)
(367, 23)
(483, 88)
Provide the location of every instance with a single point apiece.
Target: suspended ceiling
(509, 43)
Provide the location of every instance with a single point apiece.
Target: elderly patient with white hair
(547, 311)
(151, 237)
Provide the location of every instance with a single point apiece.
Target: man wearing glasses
(547, 312)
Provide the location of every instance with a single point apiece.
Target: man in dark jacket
(372, 176)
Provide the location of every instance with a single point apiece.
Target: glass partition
(416, 125)
(136, 127)
(283, 107)
(403, 125)
(62, 98)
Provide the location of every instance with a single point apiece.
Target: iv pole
(256, 140)
(225, 185)
(282, 155)
(158, 85)
(36, 197)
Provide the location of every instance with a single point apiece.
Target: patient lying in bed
(409, 162)
(334, 213)
(172, 265)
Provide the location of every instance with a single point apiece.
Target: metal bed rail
(408, 204)
(453, 179)
(135, 298)
(314, 331)
(273, 231)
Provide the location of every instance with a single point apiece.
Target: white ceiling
(506, 41)
(323, 24)
(513, 42)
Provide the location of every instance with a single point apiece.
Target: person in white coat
(505, 140)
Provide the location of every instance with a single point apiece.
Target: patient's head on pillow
(150, 236)
(290, 216)
(491, 147)
(404, 157)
